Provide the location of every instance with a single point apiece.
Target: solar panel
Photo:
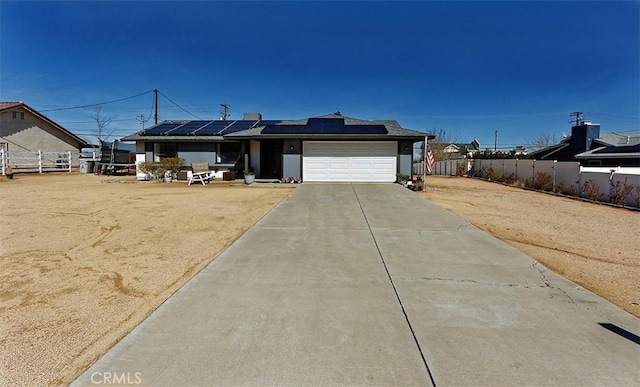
(161, 128)
(213, 128)
(187, 128)
(238, 126)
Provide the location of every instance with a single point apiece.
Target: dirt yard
(593, 245)
(85, 258)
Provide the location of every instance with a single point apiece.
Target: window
(163, 150)
(15, 115)
(21, 116)
(227, 152)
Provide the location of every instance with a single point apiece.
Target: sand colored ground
(85, 258)
(593, 245)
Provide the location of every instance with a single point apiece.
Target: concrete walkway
(370, 284)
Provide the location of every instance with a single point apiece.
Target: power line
(183, 109)
(487, 115)
(96, 104)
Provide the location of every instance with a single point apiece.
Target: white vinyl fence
(567, 177)
(39, 161)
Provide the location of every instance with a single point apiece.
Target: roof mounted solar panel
(238, 126)
(325, 125)
(162, 128)
(267, 122)
(187, 128)
(213, 129)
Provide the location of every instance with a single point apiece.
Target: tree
(439, 144)
(541, 140)
(101, 124)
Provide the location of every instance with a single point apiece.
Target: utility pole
(155, 92)
(495, 142)
(224, 111)
(142, 120)
(578, 118)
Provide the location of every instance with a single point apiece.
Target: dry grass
(593, 245)
(84, 258)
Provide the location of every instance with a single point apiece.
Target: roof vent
(338, 113)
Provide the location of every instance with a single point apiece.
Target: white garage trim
(349, 161)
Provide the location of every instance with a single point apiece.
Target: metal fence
(39, 161)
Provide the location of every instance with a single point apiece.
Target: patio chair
(200, 173)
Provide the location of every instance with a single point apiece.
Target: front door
(271, 159)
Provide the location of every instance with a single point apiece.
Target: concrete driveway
(370, 284)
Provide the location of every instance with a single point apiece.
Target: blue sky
(470, 68)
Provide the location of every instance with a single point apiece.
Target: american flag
(429, 161)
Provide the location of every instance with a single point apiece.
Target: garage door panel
(349, 161)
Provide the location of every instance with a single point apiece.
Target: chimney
(252, 116)
(582, 136)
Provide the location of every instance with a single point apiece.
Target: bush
(401, 178)
(173, 165)
(591, 191)
(493, 175)
(542, 181)
(635, 195)
(155, 171)
(619, 191)
(461, 168)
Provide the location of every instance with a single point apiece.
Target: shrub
(542, 181)
(493, 175)
(591, 190)
(635, 195)
(619, 191)
(507, 178)
(401, 178)
(461, 168)
(173, 165)
(153, 170)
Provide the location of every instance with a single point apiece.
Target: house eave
(327, 137)
(635, 155)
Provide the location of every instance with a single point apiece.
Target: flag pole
(424, 170)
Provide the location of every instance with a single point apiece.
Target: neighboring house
(327, 148)
(461, 150)
(23, 129)
(592, 148)
(519, 151)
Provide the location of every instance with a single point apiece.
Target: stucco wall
(33, 134)
(197, 152)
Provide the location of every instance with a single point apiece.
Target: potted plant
(8, 172)
(249, 177)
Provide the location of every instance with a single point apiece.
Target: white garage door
(349, 161)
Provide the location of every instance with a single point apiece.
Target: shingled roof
(14, 105)
(330, 127)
